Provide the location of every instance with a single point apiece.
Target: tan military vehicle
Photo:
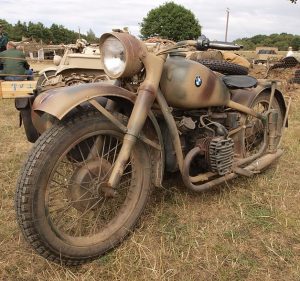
(266, 54)
(79, 64)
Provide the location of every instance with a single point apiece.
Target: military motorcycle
(88, 177)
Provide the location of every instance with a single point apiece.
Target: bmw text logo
(198, 81)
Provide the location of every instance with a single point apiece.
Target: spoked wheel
(101, 78)
(45, 77)
(64, 208)
(74, 81)
(254, 132)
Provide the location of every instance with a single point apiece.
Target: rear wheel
(253, 135)
(63, 209)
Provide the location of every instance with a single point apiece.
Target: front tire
(62, 210)
(46, 76)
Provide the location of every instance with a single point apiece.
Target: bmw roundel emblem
(198, 81)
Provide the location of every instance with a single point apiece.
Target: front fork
(136, 122)
(146, 95)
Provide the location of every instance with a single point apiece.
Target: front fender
(60, 101)
(52, 68)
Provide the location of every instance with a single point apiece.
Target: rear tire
(63, 211)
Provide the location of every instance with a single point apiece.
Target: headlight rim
(132, 50)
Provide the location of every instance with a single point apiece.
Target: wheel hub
(85, 190)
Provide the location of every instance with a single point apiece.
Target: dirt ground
(246, 229)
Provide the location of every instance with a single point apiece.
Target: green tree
(20, 30)
(8, 28)
(295, 43)
(282, 41)
(35, 30)
(170, 21)
(91, 36)
(62, 35)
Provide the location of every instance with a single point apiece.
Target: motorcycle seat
(239, 81)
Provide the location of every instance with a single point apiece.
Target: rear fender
(247, 96)
(59, 102)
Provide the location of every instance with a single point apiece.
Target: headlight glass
(56, 60)
(114, 56)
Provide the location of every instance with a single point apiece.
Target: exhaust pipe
(255, 167)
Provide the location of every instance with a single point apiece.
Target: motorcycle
(87, 178)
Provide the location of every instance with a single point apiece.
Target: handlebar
(224, 46)
(203, 43)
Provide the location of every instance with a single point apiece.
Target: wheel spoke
(79, 175)
(94, 150)
(83, 214)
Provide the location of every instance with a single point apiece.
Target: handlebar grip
(203, 43)
(224, 46)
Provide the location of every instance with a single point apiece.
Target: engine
(208, 131)
(217, 154)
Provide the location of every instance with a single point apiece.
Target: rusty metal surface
(256, 166)
(133, 50)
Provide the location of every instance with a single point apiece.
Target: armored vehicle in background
(80, 64)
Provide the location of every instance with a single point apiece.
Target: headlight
(113, 54)
(120, 54)
(56, 60)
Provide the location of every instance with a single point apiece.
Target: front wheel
(63, 210)
(46, 76)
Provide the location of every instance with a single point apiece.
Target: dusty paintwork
(188, 84)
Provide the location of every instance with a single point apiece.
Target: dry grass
(248, 229)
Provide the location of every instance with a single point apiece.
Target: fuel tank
(188, 84)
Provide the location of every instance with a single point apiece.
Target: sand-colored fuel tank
(190, 85)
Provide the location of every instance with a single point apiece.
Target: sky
(246, 18)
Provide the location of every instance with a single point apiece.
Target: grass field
(247, 229)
